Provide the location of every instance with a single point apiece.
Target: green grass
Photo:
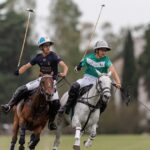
(102, 142)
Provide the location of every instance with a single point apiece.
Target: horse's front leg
(35, 138)
(77, 125)
(15, 132)
(92, 131)
(76, 145)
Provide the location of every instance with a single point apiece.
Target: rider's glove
(78, 67)
(118, 85)
(16, 73)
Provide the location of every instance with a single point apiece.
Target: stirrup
(6, 108)
(52, 126)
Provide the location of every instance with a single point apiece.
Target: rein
(101, 91)
(91, 111)
(125, 93)
(91, 107)
(83, 128)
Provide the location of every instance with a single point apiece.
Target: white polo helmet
(44, 40)
(102, 44)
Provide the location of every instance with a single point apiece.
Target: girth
(90, 105)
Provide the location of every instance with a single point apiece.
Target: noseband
(100, 89)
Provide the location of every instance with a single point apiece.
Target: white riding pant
(86, 80)
(35, 84)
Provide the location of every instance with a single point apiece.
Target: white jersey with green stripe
(91, 62)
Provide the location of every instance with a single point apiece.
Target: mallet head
(30, 10)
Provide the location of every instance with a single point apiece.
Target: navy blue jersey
(48, 64)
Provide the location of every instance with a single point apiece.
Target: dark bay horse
(33, 114)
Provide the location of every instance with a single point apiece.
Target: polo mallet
(124, 93)
(93, 32)
(25, 35)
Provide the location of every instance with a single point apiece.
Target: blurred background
(69, 23)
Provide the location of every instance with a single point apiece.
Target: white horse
(86, 112)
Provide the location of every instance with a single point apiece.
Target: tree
(130, 74)
(86, 29)
(12, 27)
(144, 61)
(115, 40)
(64, 18)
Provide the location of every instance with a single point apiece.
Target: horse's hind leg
(57, 137)
(22, 137)
(60, 125)
(92, 130)
(15, 132)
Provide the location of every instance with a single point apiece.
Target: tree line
(64, 20)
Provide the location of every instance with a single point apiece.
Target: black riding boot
(73, 95)
(17, 96)
(103, 106)
(53, 109)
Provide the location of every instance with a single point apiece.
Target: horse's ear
(109, 73)
(98, 72)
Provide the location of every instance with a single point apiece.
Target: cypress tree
(130, 74)
(144, 61)
(12, 27)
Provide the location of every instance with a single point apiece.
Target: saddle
(85, 89)
(82, 91)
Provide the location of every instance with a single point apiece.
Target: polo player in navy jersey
(48, 62)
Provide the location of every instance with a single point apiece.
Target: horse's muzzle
(106, 97)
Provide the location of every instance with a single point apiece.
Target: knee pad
(74, 90)
(21, 89)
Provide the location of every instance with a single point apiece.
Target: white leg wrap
(78, 133)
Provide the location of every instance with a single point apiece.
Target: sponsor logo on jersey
(95, 64)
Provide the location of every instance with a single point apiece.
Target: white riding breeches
(35, 84)
(86, 80)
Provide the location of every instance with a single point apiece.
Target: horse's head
(104, 85)
(46, 86)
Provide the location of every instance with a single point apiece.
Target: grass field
(102, 142)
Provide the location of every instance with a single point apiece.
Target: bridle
(93, 108)
(100, 89)
(42, 90)
(101, 92)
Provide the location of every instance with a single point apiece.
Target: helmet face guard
(44, 40)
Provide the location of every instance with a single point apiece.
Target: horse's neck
(92, 95)
(36, 97)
